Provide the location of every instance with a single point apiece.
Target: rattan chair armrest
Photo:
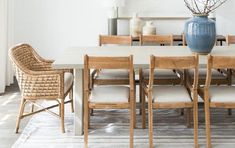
(44, 84)
(47, 72)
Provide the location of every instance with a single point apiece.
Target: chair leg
(86, 118)
(142, 99)
(89, 119)
(195, 119)
(134, 113)
(150, 118)
(132, 124)
(229, 111)
(207, 120)
(32, 108)
(143, 111)
(59, 108)
(62, 116)
(189, 117)
(71, 98)
(92, 112)
(21, 112)
(140, 90)
(182, 111)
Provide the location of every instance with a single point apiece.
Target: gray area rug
(111, 129)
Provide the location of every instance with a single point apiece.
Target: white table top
(74, 57)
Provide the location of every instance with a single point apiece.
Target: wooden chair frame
(108, 63)
(185, 63)
(110, 40)
(35, 73)
(116, 40)
(161, 40)
(214, 62)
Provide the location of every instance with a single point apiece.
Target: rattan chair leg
(71, 98)
(62, 116)
(59, 109)
(21, 112)
(32, 108)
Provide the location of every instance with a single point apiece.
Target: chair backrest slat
(219, 62)
(174, 62)
(156, 39)
(91, 62)
(179, 62)
(114, 39)
(108, 62)
(230, 39)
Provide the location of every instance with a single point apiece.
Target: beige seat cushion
(202, 73)
(222, 94)
(113, 74)
(109, 94)
(160, 74)
(68, 81)
(170, 94)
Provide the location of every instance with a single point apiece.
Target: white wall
(225, 16)
(54, 25)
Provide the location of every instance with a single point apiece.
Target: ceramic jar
(200, 34)
(135, 26)
(149, 28)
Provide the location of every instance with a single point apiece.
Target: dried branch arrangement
(203, 6)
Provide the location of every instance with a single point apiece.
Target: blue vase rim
(201, 14)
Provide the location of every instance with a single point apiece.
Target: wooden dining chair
(216, 96)
(110, 76)
(106, 77)
(219, 76)
(38, 81)
(109, 96)
(162, 76)
(172, 97)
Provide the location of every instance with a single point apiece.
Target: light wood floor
(9, 104)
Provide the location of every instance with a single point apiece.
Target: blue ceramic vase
(200, 34)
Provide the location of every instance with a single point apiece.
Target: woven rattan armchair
(38, 81)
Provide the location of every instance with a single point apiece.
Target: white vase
(149, 28)
(135, 26)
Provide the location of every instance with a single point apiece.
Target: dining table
(73, 58)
